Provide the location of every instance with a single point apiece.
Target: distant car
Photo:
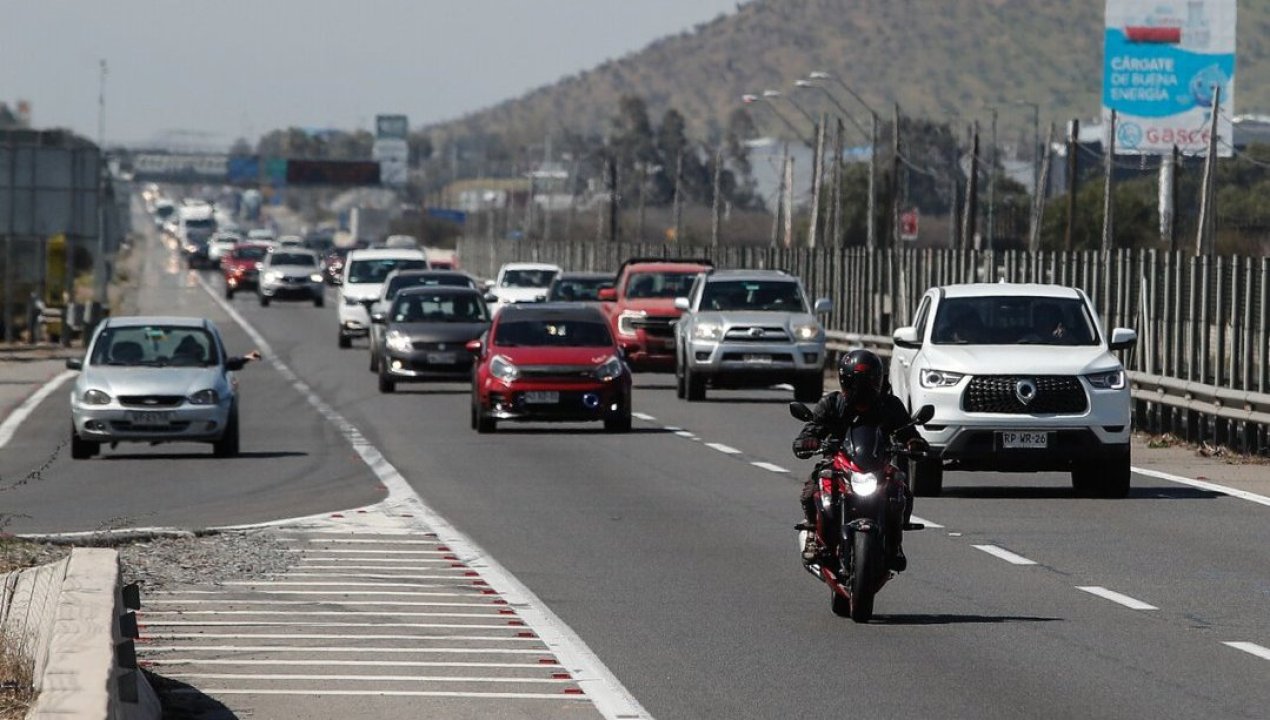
(220, 244)
(291, 273)
(241, 267)
(155, 379)
(291, 241)
(550, 362)
(401, 241)
(361, 283)
(578, 286)
(426, 331)
(262, 235)
(521, 282)
(399, 280)
(641, 307)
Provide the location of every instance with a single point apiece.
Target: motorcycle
(860, 505)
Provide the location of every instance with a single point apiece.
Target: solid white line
(925, 522)
(318, 552)
(356, 663)
(728, 449)
(19, 415)
(145, 649)
(286, 583)
(400, 693)
(368, 678)
(643, 416)
(329, 636)
(381, 568)
(1102, 592)
(318, 613)
(310, 624)
(353, 541)
(377, 576)
(610, 697)
(769, 467)
(320, 603)
(319, 558)
(1204, 485)
(1005, 555)
(341, 593)
(1251, 648)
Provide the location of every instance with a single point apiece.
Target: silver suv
(749, 328)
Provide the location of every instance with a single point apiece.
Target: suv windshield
(578, 289)
(441, 307)
(278, 258)
(200, 224)
(1013, 320)
(561, 332)
(659, 284)
(527, 278)
(374, 271)
(756, 295)
(250, 252)
(155, 346)
(400, 283)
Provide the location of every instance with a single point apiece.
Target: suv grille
(757, 334)
(1055, 395)
(656, 326)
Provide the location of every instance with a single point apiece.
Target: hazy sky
(241, 67)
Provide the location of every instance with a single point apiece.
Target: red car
(550, 362)
(241, 267)
(641, 307)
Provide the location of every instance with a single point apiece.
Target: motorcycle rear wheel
(867, 559)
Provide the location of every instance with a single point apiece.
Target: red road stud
(572, 691)
(457, 565)
(487, 591)
(506, 611)
(525, 635)
(500, 601)
(561, 676)
(516, 623)
(442, 548)
(546, 661)
(336, 515)
(479, 582)
(470, 573)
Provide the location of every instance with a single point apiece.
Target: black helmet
(860, 376)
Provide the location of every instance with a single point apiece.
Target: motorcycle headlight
(96, 397)
(315, 277)
(864, 484)
(707, 331)
(609, 370)
(626, 322)
(1108, 380)
(939, 378)
(398, 341)
(503, 369)
(205, 397)
(806, 331)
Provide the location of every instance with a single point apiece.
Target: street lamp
(809, 85)
(871, 223)
(772, 95)
(750, 99)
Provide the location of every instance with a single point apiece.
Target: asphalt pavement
(670, 551)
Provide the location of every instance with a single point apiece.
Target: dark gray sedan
(425, 334)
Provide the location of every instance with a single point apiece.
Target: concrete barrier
(71, 618)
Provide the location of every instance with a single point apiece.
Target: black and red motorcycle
(860, 503)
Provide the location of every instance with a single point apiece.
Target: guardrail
(1154, 394)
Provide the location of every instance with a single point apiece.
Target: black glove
(806, 447)
(917, 445)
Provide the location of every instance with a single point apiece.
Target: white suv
(1023, 379)
(363, 278)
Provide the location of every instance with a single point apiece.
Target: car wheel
(374, 361)
(319, 301)
(386, 384)
(620, 421)
(694, 385)
(809, 388)
(681, 388)
(264, 301)
(472, 410)
(229, 293)
(926, 477)
(484, 423)
(227, 446)
(82, 449)
(345, 341)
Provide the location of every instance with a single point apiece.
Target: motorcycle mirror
(924, 414)
(800, 411)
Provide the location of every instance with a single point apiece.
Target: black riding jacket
(832, 417)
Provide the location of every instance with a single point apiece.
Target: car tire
(374, 361)
(472, 415)
(484, 423)
(681, 387)
(694, 385)
(227, 446)
(620, 421)
(319, 301)
(229, 293)
(345, 341)
(386, 384)
(809, 388)
(926, 477)
(264, 301)
(82, 449)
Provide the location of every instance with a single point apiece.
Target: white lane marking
(925, 522)
(401, 693)
(346, 570)
(370, 678)
(1005, 555)
(355, 541)
(335, 636)
(19, 415)
(284, 583)
(317, 613)
(610, 697)
(358, 663)
(371, 552)
(685, 434)
(341, 593)
(769, 467)
(1205, 485)
(672, 428)
(726, 449)
(643, 416)
(377, 576)
(1115, 597)
(317, 603)
(346, 559)
(309, 623)
(306, 649)
(1251, 648)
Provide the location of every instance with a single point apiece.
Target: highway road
(670, 551)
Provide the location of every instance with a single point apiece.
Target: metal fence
(1200, 368)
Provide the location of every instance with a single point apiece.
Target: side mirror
(801, 412)
(924, 414)
(235, 364)
(491, 298)
(473, 346)
(682, 303)
(74, 363)
(1123, 338)
(824, 306)
(608, 294)
(378, 318)
(906, 337)
(488, 284)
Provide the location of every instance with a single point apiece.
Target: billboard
(1162, 60)
(332, 172)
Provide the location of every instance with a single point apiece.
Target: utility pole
(836, 210)
(780, 199)
(871, 222)
(788, 201)
(1073, 147)
(1038, 202)
(717, 205)
(970, 220)
(639, 216)
(1109, 190)
(99, 257)
(992, 186)
(679, 203)
(1207, 213)
(817, 181)
(573, 200)
(895, 180)
(613, 202)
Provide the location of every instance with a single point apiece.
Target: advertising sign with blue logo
(1163, 61)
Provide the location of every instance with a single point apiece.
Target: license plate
(1030, 440)
(442, 358)
(756, 358)
(150, 419)
(542, 397)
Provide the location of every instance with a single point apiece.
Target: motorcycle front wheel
(866, 564)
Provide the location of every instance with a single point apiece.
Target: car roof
(580, 275)
(1009, 289)
(735, 275)
(438, 290)
(254, 243)
(291, 250)
(173, 320)
(663, 266)
(386, 254)
(528, 266)
(549, 311)
(398, 273)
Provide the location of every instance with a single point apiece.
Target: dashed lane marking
(1250, 648)
(1006, 555)
(726, 449)
(1115, 597)
(769, 466)
(643, 416)
(927, 523)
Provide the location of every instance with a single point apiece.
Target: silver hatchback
(155, 379)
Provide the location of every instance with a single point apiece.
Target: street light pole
(871, 222)
(872, 135)
(750, 99)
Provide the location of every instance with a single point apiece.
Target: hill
(942, 59)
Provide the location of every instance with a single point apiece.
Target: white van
(362, 282)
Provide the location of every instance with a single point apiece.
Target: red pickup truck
(641, 307)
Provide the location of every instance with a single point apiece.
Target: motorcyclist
(865, 398)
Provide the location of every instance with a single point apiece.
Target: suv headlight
(273, 276)
(1107, 380)
(707, 331)
(205, 397)
(503, 369)
(398, 341)
(806, 331)
(626, 321)
(939, 378)
(96, 397)
(315, 277)
(609, 370)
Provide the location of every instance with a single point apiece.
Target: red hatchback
(550, 362)
(241, 267)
